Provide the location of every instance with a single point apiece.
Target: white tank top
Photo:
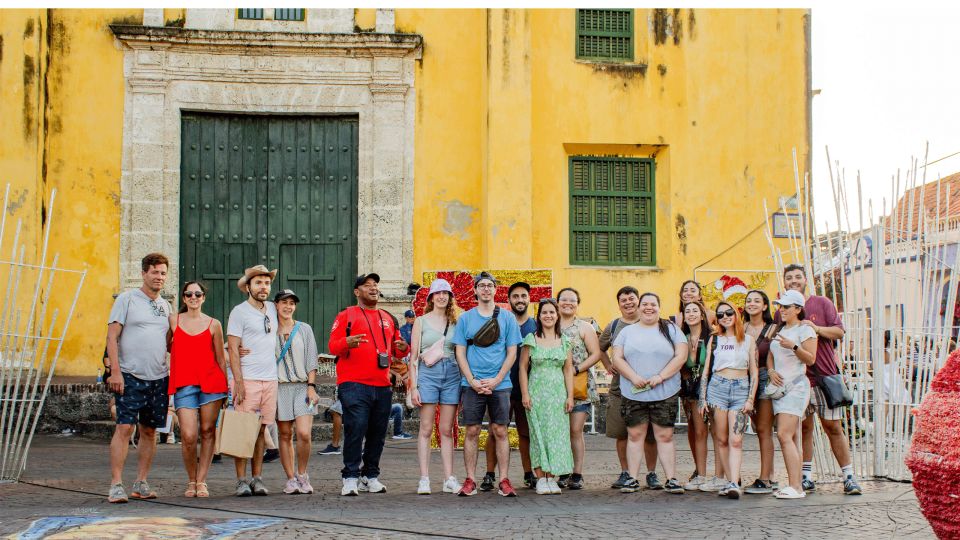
(730, 354)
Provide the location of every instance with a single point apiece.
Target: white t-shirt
(730, 354)
(785, 361)
(247, 323)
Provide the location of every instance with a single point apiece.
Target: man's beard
(519, 313)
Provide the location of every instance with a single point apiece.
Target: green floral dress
(549, 424)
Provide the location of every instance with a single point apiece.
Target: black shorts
(143, 402)
(662, 413)
(476, 405)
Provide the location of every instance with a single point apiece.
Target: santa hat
(730, 286)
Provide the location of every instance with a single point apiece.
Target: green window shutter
(605, 34)
(288, 14)
(250, 13)
(612, 213)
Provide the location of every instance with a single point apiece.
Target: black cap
(362, 278)
(284, 294)
(481, 276)
(522, 284)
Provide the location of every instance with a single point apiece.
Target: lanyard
(382, 332)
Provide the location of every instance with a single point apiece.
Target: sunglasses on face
(191, 294)
(725, 314)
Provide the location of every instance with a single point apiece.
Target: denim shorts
(583, 407)
(439, 383)
(728, 394)
(190, 397)
(762, 380)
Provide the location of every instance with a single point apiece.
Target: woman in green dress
(548, 397)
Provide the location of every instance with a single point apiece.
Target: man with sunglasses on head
(254, 324)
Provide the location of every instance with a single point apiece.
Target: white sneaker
(451, 485)
(695, 483)
(554, 487)
(371, 485)
(713, 484)
(349, 487)
(789, 493)
(543, 487)
(423, 488)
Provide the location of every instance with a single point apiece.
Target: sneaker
(292, 487)
(243, 488)
(554, 486)
(529, 480)
(733, 491)
(349, 487)
(621, 480)
(451, 485)
(562, 480)
(630, 486)
(117, 494)
(330, 450)
(141, 490)
(672, 486)
(271, 455)
(543, 487)
(402, 437)
(652, 481)
(423, 488)
(713, 484)
(304, 481)
(488, 480)
(759, 487)
(789, 493)
(217, 458)
(372, 485)
(851, 487)
(808, 485)
(695, 483)
(575, 481)
(468, 489)
(505, 489)
(257, 487)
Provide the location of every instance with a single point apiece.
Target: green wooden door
(274, 190)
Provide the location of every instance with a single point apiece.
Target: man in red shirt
(821, 315)
(364, 338)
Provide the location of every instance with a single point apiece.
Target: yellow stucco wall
(501, 103)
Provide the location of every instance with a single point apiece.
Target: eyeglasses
(266, 324)
(725, 314)
(191, 294)
(157, 309)
(486, 286)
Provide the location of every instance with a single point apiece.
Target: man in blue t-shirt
(485, 386)
(519, 297)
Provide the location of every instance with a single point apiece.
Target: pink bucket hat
(440, 285)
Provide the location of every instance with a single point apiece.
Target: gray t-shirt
(647, 351)
(301, 357)
(247, 323)
(143, 339)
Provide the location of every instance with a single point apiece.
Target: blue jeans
(396, 413)
(366, 413)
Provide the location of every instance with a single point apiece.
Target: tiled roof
(949, 203)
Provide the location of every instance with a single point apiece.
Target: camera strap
(382, 331)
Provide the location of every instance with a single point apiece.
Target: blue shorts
(143, 402)
(583, 407)
(439, 383)
(762, 379)
(728, 394)
(190, 397)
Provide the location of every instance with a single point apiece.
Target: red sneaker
(505, 489)
(469, 488)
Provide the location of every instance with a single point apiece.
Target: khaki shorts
(616, 429)
(662, 413)
(259, 397)
(818, 405)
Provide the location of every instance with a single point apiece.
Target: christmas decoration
(732, 289)
(461, 281)
(934, 456)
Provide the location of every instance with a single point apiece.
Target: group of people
(726, 367)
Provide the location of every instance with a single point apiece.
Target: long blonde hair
(451, 311)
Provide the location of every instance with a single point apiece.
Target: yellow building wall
(717, 97)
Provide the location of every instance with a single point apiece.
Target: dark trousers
(366, 413)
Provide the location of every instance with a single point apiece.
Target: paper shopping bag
(237, 433)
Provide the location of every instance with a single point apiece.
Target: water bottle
(99, 376)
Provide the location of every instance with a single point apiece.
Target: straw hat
(252, 272)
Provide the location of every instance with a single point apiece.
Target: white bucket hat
(440, 285)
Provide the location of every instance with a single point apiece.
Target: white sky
(889, 82)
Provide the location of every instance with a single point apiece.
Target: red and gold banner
(461, 281)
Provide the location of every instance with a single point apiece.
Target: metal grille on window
(250, 13)
(605, 34)
(612, 219)
(288, 14)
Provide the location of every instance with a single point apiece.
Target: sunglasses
(191, 294)
(266, 324)
(725, 314)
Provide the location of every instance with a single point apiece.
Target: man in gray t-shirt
(137, 350)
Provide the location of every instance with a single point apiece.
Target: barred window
(612, 211)
(288, 14)
(605, 34)
(250, 13)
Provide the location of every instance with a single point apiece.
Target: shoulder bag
(434, 353)
(489, 333)
(835, 391)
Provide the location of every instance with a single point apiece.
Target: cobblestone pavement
(63, 492)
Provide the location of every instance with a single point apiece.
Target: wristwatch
(795, 347)
(576, 370)
(314, 385)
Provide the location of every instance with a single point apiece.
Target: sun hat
(252, 272)
(440, 285)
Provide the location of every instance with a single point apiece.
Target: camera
(383, 360)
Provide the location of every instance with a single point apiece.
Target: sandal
(191, 490)
(202, 490)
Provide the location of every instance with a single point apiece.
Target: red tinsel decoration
(934, 456)
(463, 293)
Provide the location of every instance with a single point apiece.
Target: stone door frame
(169, 70)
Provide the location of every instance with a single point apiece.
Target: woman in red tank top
(198, 382)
